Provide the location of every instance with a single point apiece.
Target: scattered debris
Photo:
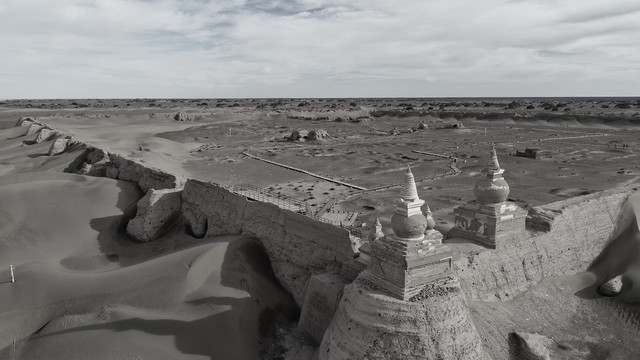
(306, 135)
(182, 117)
(532, 346)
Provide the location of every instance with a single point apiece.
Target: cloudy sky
(318, 48)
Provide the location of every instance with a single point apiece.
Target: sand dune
(84, 290)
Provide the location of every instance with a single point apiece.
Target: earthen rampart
(298, 246)
(577, 230)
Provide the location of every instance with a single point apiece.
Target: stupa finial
(493, 166)
(409, 190)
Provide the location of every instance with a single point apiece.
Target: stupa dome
(491, 188)
(410, 227)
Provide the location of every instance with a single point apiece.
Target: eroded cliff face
(372, 325)
(298, 246)
(577, 230)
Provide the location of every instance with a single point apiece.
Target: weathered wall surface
(372, 325)
(578, 230)
(298, 246)
(100, 162)
(320, 304)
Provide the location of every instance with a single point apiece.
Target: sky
(318, 48)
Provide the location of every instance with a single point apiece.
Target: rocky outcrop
(156, 210)
(612, 287)
(181, 117)
(372, 325)
(25, 121)
(34, 127)
(45, 134)
(297, 245)
(58, 146)
(579, 229)
(531, 346)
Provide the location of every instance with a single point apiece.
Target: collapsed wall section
(298, 246)
(577, 230)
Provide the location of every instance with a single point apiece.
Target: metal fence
(264, 195)
(357, 232)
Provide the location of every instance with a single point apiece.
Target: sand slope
(84, 290)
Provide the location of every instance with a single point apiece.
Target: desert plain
(85, 289)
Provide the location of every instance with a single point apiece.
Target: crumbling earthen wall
(578, 229)
(298, 246)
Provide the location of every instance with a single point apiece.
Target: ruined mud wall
(298, 246)
(563, 238)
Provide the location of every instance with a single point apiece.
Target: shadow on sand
(247, 324)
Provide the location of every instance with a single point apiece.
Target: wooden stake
(13, 279)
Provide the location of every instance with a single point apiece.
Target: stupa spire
(493, 166)
(409, 190)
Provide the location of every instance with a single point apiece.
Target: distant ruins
(491, 219)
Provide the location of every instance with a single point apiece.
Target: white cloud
(199, 48)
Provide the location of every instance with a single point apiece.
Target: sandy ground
(84, 290)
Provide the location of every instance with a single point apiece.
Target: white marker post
(13, 279)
